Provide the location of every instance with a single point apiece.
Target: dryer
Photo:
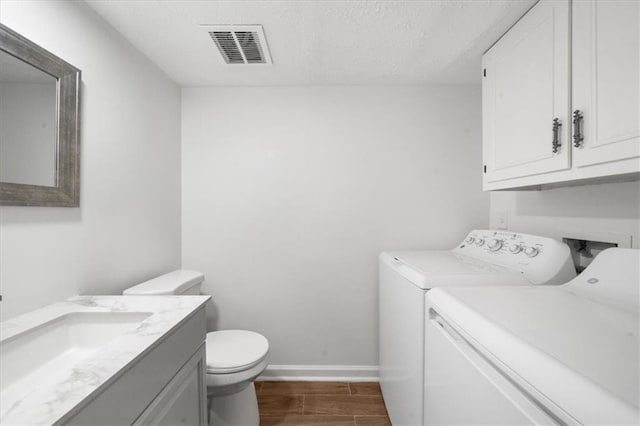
(564, 354)
(484, 258)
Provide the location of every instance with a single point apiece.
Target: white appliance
(537, 355)
(484, 258)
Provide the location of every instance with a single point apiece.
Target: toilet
(234, 357)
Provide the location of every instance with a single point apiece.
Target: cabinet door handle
(555, 144)
(578, 137)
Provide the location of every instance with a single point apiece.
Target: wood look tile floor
(321, 404)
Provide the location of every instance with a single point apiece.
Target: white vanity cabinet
(561, 94)
(180, 402)
(106, 360)
(164, 387)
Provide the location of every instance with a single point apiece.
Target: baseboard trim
(321, 373)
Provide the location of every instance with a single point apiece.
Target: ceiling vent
(240, 44)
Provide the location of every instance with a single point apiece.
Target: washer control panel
(501, 242)
(530, 254)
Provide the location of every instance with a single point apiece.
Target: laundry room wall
(290, 193)
(608, 212)
(127, 228)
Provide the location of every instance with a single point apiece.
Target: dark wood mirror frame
(66, 192)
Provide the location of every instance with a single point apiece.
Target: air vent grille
(240, 44)
(227, 46)
(250, 46)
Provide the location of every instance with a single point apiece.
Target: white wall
(601, 212)
(128, 226)
(289, 195)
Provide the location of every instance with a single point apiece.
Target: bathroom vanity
(106, 360)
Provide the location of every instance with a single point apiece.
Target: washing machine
(485, 257)
(537, 355)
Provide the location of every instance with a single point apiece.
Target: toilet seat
(232, 351)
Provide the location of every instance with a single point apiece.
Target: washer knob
(494, 244)
(469, 240)
(531, 251)
(515, 249)
(479, 242)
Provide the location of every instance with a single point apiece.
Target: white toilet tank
(177, 282)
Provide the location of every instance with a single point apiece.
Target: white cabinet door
(183, 400)
(606, 79)
(526, 86)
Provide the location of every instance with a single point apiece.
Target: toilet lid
(229, 351)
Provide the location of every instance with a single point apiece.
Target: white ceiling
(321, 42)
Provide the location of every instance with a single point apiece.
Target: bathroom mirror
(39, 133)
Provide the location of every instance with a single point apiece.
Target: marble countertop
(54, 397)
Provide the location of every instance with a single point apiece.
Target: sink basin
(56, 346)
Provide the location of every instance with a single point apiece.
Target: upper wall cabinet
(606, 80)
(526, 88)
(560, 101)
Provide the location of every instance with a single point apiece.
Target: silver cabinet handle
(555, 144)
(578, 137)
